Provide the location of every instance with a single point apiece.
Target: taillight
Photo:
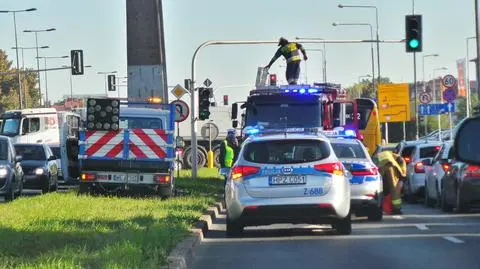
(88, 176)
(243, 171)
(419, 168)
(472, 171)
(161, 178)
(331, 168)
(445, 167)
(372, 171)
(407, 160)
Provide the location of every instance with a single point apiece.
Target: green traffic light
(414, 43)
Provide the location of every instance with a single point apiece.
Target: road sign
(207, 83)
(449, 81)
(178, 91)
(181, 110)
(393, 102)
(209, 131)
(449, 95)
(435, 109)
(425, 98)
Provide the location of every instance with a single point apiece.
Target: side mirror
(466, 147)
(235, 123)
(427, 162)
(18, 159)
(234, 111)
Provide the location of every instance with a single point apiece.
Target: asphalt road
(421, 238)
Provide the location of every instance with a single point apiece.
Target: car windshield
(31, 152)
(140, 123)
(4, 149)
(348, 151)
(286, 151)
(429, 152)
(10, 127)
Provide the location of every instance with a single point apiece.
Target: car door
(450, 181)
(436, 171)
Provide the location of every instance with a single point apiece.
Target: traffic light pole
(193, 119)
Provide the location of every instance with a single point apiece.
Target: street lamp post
(435, 98)
(71, 78)
(371, 45)
(46, 78)
(14, 12)
(424, 88)
(23, 64)
(469, 97)
(105, 78)
(38, 59)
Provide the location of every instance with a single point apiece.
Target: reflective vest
(291, 53)
(229, 154)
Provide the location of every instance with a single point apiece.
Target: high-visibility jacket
(393, 169)
(229, 155)
(291, 52)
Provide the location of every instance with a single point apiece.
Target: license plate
(118, 178)
(133, 179)
(287, 180)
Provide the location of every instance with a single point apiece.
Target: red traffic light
(273, 79)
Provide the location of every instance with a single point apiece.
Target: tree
(364, 89)
(9, 86)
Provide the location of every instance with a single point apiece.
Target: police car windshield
(348, 150)
(140, 123)
(281, 115)
(286, 151)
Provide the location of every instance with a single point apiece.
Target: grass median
(63, 230)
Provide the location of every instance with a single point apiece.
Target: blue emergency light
(319, 88)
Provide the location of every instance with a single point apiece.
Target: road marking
(421, 227)
(453, 239)
(397, 217)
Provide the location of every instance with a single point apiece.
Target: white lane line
(421, 227)
(453, 239)
(397, 217)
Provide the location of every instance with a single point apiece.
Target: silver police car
(287, 178)
(366, 181)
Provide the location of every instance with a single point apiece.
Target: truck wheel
(201, 158)
(216, 157)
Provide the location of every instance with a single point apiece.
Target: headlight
(3, 172)
(39, 171)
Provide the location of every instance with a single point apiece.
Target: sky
(99, 28)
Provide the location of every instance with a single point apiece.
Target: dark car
(460, 187)
(11, 174)
(39, 166)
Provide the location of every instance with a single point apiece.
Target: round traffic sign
(449, 81)
(181, 110)
(449, 95)
(209, 131)
(425, 98)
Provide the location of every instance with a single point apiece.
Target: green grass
(63, 230)
(208, 182)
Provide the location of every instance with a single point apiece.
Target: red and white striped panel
(104, 144)
(148, 143)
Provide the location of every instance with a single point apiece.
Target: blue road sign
(449, 95)
(435, 109)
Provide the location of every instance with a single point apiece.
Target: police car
(287, 177)
(366, 182)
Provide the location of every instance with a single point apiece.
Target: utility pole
(477, 25)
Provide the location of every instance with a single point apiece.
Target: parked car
(414, 152)
(39, 165)
(11, 173)
(287, 178)
(435, 169)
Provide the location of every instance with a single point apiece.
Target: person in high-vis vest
(393, 169)
(290, 50)
(228, 150)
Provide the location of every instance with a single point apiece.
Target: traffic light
(111, 83)
(204, 103)
(76, 59)
(413, 33)
(273, 80)
(225, 100)
(103, 114)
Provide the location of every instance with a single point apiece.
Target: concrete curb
(183, 254)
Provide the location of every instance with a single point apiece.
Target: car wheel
(428, 201)
(10, 195)
(234, 228)
(375, 214)
(46, 187)
(443, 204)
(55, 186)
(20, 188)
(409, 197)
(84, 188)
(461, 208)
(344, 226)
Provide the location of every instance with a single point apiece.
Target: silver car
(435, 169)
(287, 178)
(366, 181)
